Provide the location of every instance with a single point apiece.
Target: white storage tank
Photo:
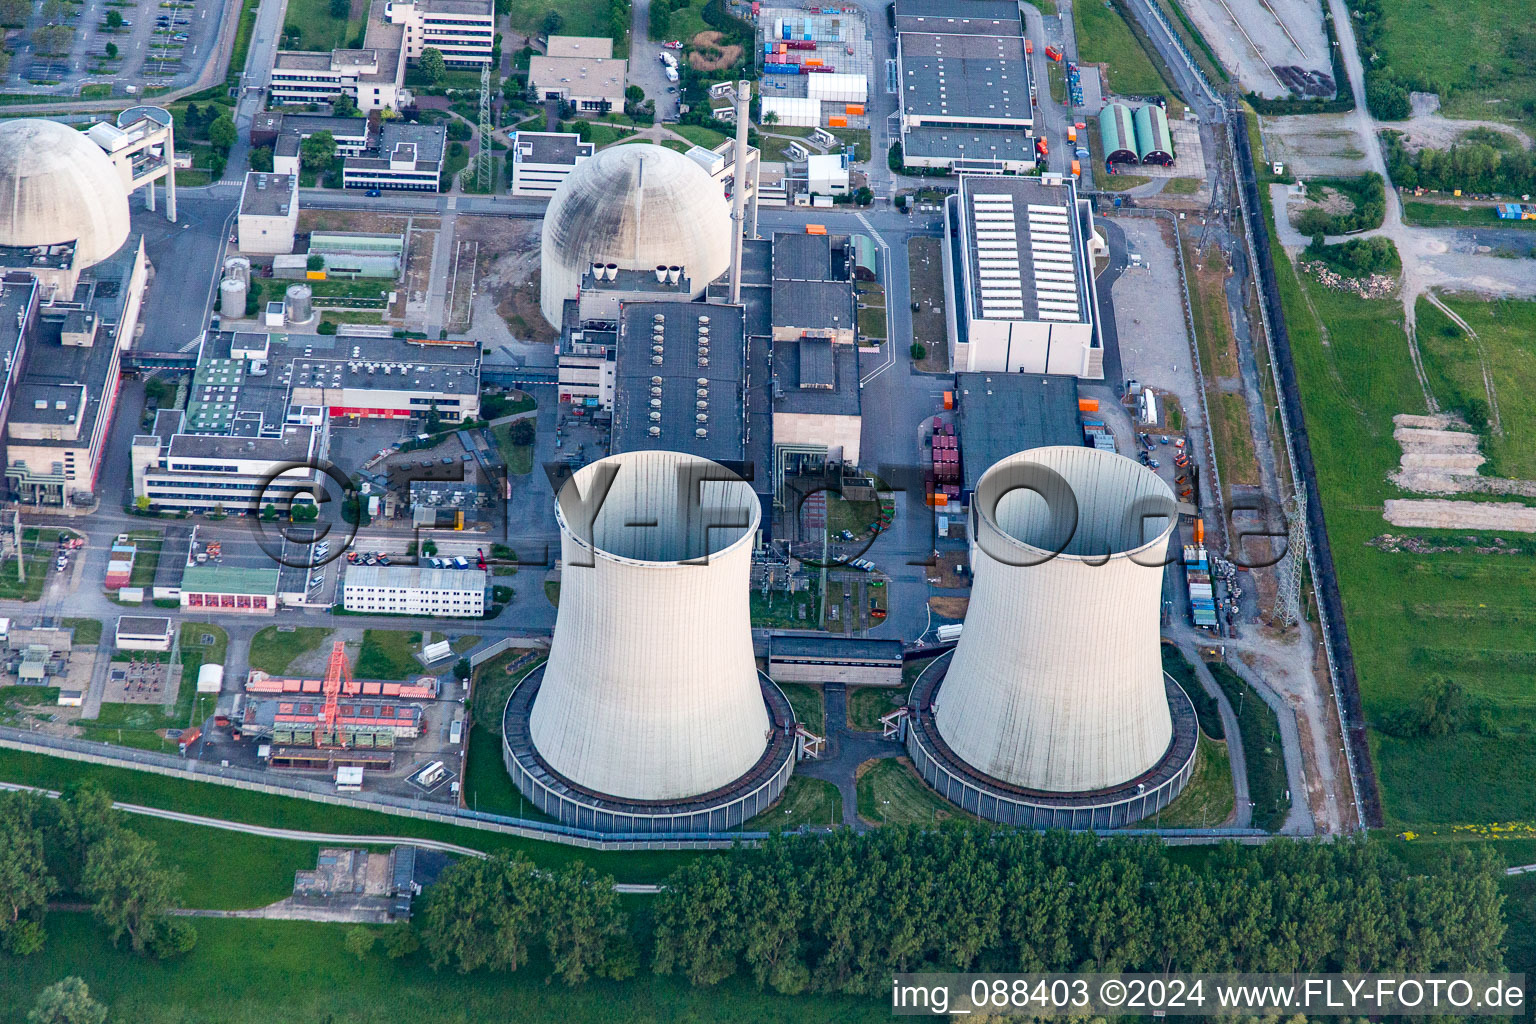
(232, 299)
(298, 306)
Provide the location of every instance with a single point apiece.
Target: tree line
(838, 914)
(1470, 166)
(76, 847)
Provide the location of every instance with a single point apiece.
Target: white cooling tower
(1057, 682)
(651, 692)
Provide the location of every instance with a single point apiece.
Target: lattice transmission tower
(1292, 568)
(485, 160)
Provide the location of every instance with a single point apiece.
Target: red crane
(337, 674)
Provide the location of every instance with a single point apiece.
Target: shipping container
(837, 121)
(1087, 405)
(1077, 168)
(801, 44)
(815, 229)
(854, 109)
(949, 399)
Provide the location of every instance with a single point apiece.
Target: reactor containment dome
(637, 207)
(1054, 709)
(650, 714)
(57, 187)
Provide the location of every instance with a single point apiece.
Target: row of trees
(497, 911)
(1386, 90)
(76, 846)
(1358, 257)
(1471, 167)
(839, 914)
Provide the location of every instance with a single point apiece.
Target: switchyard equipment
(338, 674)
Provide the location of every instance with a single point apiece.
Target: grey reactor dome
(56, 187)
(639, 206)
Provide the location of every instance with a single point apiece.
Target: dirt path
(1429, 129)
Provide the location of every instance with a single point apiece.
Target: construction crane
(337, 674)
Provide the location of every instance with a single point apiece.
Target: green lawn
(1208, 800)
(890, 793)
(1451, 215)
(810, 709)
(146, 556)
(87, 631)
(38, 554)
(320, 31)
(589, 18)
(600, 134)
(1103, 37)
(782, 610)
(1487, 73)
(867, 703)
(232, 804)
(248, 871)
(805, 801)
(1262, 749)
(487, 786)
(1182, 186)
(273, 651)
(1412, 618)
(519, 457)
(388, 654)
(699, 135)
(1455, 372)
(261, 972)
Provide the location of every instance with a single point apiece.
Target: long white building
(541, 161)
(201, 472)
(407, 590)
(1018, 281)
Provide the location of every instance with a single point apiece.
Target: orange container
(813, 62)
(1071, 134)
(854, 108)
(837, 122)
(815, 229)
(949, 400)
(1199, 531)
(1077, 168)
(1087, 405)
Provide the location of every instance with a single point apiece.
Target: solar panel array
(1050, 249)
(997, 257)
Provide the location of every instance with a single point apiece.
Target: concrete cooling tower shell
(650, 714)
(1056, 686)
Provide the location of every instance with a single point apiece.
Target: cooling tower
(651, 694)
(1057, 682)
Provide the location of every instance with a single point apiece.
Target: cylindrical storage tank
(238, 266)
(232, 293)
(1117, 133)
(1057, 682)
(1154, 143)
(297, 304)
(651, 691)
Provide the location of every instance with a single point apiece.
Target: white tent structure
(792, 111)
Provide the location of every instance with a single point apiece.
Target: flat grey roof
(143, 625)
(268, 195)
(410, 577)
(309, 124)
(680, 373)
(835, 647)
(1023, 238)
(802, 257)
(814, 377)
(55, 403)
(429, 139)
(1000, 414)
(981, 17)
(813, 305)
(294, 445)
(302, 60)
(964, 77)
(960, 143)
(552, 147)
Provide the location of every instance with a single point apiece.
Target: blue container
(782, 69)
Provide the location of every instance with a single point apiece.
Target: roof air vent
(654, 431)
(655, 417)
(701, 432)
(655, 380)
(703, 361)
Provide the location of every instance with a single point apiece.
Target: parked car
(374, 193)
(846, 535)
(315, 581)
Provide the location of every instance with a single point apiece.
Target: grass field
(1103, 37)
(1486, 73)
(867, 703)
(1449, 215)
(319, 30)
(272, 652)
(519, 457)
(783, 610)
(890, 793)
(806, 801)
(39, 556)
(587, 18)
(1262, 749)
(1412, 618)
(248, 871)
(232, 804)
(388, 654)
(146, 556)
(1182, 186)
(1454, 367)
(1208, 800)
(699, 135)
(810, 708)
(87, 631)
(258, 972)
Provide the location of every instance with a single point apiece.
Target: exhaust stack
(739, 191)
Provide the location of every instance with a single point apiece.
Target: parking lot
(160, 43)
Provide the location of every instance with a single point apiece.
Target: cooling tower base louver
(996, 800)
(579, 807)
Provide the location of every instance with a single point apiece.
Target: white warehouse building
(1018, 282)
(407, 590)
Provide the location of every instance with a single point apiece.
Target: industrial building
(834, 659)
(541, 161)
(463, 31)
(631, 210)
(143, 633)
(141, 144)
(1054, 709)
(73, 283)
(1137, 136)
(581, 71)
(1018, 278)
(965, 87)
(650, 714)
(407, 158)
(235, 475)
(375, 724)
(373, 77)
(269, 213)
(285, 131)
(229, 589)
(998, 414)
(408, 590)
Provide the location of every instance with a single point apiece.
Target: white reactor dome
(57, 186)
(1057, 682)
(639, 206)
(651, 691)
